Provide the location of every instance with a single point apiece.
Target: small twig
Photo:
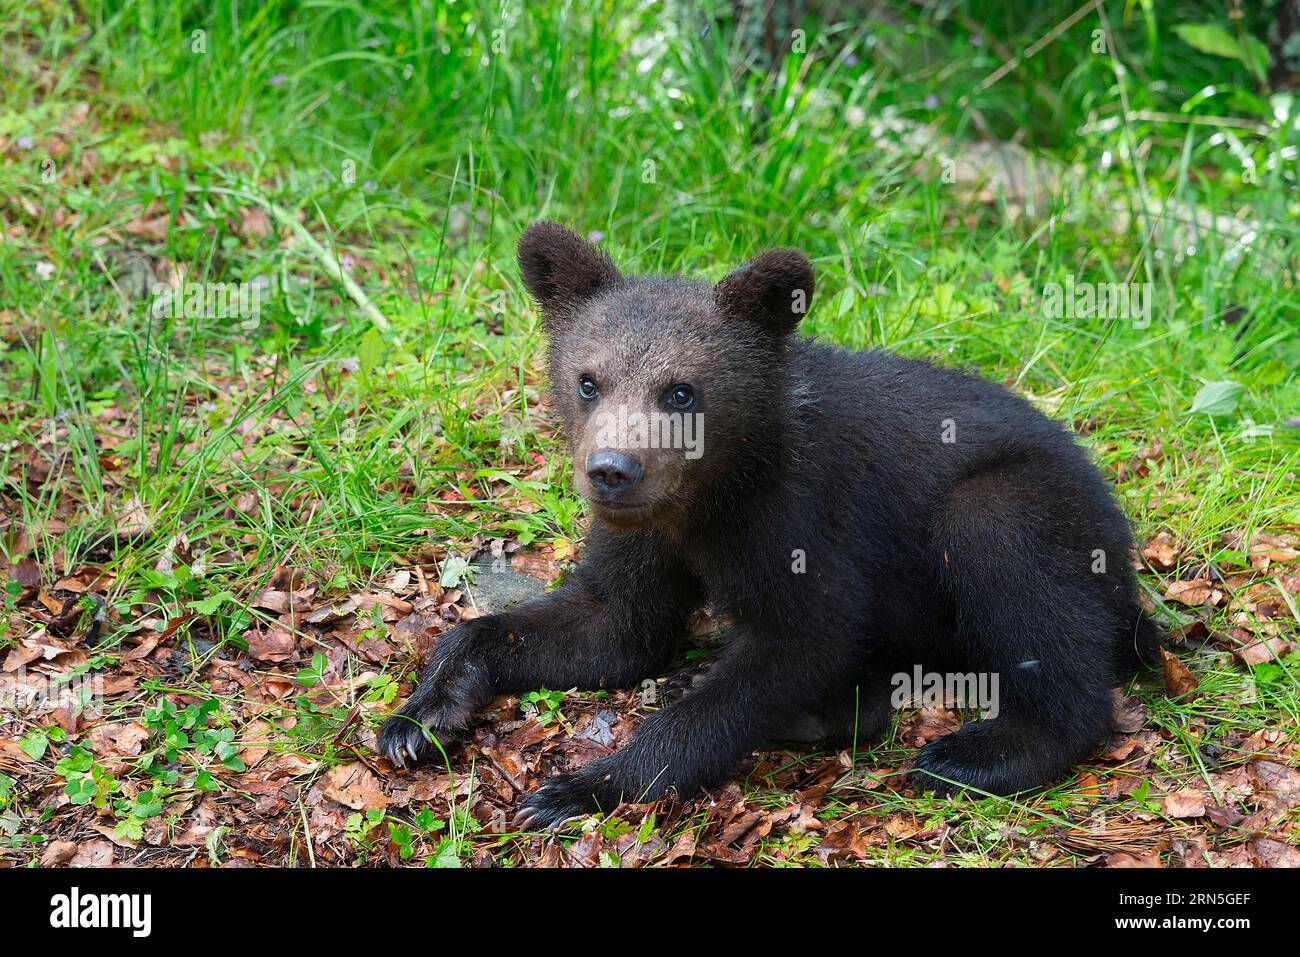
(327, 262)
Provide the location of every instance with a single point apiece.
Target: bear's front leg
(613, 625)
(456, 682)
(752, 692)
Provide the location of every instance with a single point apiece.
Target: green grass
(415, 141)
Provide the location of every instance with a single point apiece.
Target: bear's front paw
(454, 686)
(416, 731)
(562, 798)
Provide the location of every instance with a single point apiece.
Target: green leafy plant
(1217, 41)
(544, 705)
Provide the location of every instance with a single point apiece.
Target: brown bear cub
(860, 518)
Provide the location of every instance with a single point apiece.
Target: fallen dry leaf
(1187, 802)
(57, 852)
(1196, 593)
(273, 644)
(1088, 784)
(1179, 680)
(844, 841)
(1162, 552)
(1266, 649)
(355, 786)
(1122, 859)
(117, 739)
(93, 854)
(254, 223)
(133, 519)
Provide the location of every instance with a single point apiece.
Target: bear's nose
(612, 473)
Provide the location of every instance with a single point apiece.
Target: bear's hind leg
(1014, 550)
(1003, 755)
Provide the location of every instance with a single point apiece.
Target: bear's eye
(681, 397)
(587, 387)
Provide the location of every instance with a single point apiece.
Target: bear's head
(669, 388)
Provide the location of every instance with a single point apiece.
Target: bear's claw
(416, 732)
(439, 713)
(562, 799)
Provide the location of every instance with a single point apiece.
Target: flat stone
(497, 586)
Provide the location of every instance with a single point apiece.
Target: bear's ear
(773, 289)
(561, 269)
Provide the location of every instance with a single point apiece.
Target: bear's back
(908, 423)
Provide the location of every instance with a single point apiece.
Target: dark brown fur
(847, 539)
